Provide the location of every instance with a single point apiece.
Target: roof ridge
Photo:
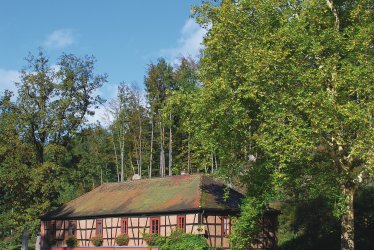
(152, 179)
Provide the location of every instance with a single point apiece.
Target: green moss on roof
(147, 196)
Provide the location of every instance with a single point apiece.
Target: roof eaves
(136, 214)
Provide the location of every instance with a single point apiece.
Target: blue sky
(124, 36)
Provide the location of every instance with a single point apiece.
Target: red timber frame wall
(211, 225)
(112, 227)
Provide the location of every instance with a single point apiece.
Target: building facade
(194, 204)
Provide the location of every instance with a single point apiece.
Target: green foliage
(245, 227)
(364, 214)
(91, 155)
(310, 224)
(290, 82)
(122, 240)
(281, 102)
(72, 241)
(180, 241)
(151, 239)
(179, 104)
(50, 241)
(36, 131)
(97, 240)
(55, 102)
(131, 123)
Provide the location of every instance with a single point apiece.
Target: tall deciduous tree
(296, 78)
(54, 101)
(36, 132)
(128, 129)
(179, 104)
(158, 81)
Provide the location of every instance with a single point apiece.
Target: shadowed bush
(310, 224)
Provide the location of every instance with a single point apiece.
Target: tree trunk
(101, 175)
(347, 221)
(140, 144)
(115, 155)
(162, 162)
(137, 155)
(151, 153)
(170, 148)
(162, 152)
(189, 154)
(122, 148)
(334, 10)
(122, 165)
(25, 240)
(215, 161)
(212, 162)
(38, 243)
(131, 164)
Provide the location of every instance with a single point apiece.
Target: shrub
(179, 240)
(97, 240)
(151, 239)
(246, 226)
(50, 241)
(176, 235)
(122, 240)
(72, 241)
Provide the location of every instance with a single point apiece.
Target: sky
(124, 36)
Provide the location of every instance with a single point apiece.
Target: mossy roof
(151, 196)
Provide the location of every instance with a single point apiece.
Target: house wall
(207, 224)
(213, 230)
(104, 248)
(86, 229)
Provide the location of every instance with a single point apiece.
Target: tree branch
(330, 4)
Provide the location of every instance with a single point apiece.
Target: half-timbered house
(195, 204)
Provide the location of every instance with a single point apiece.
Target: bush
(72, 241)
(176, 235)
(122, 240)
(179, 240)
(151, 239)
(97, 240)
(246, 226)
(50, 241)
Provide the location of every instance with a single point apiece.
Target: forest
(280, 104)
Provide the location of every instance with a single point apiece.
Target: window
(72, 228)
(226, 225)
(99, 227)
(155, 226)
(124, 226)
(181, 223)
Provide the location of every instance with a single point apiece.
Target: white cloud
(107, 91)
(59, 39)
(189, 43)
(101, 115)
(7, 79)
